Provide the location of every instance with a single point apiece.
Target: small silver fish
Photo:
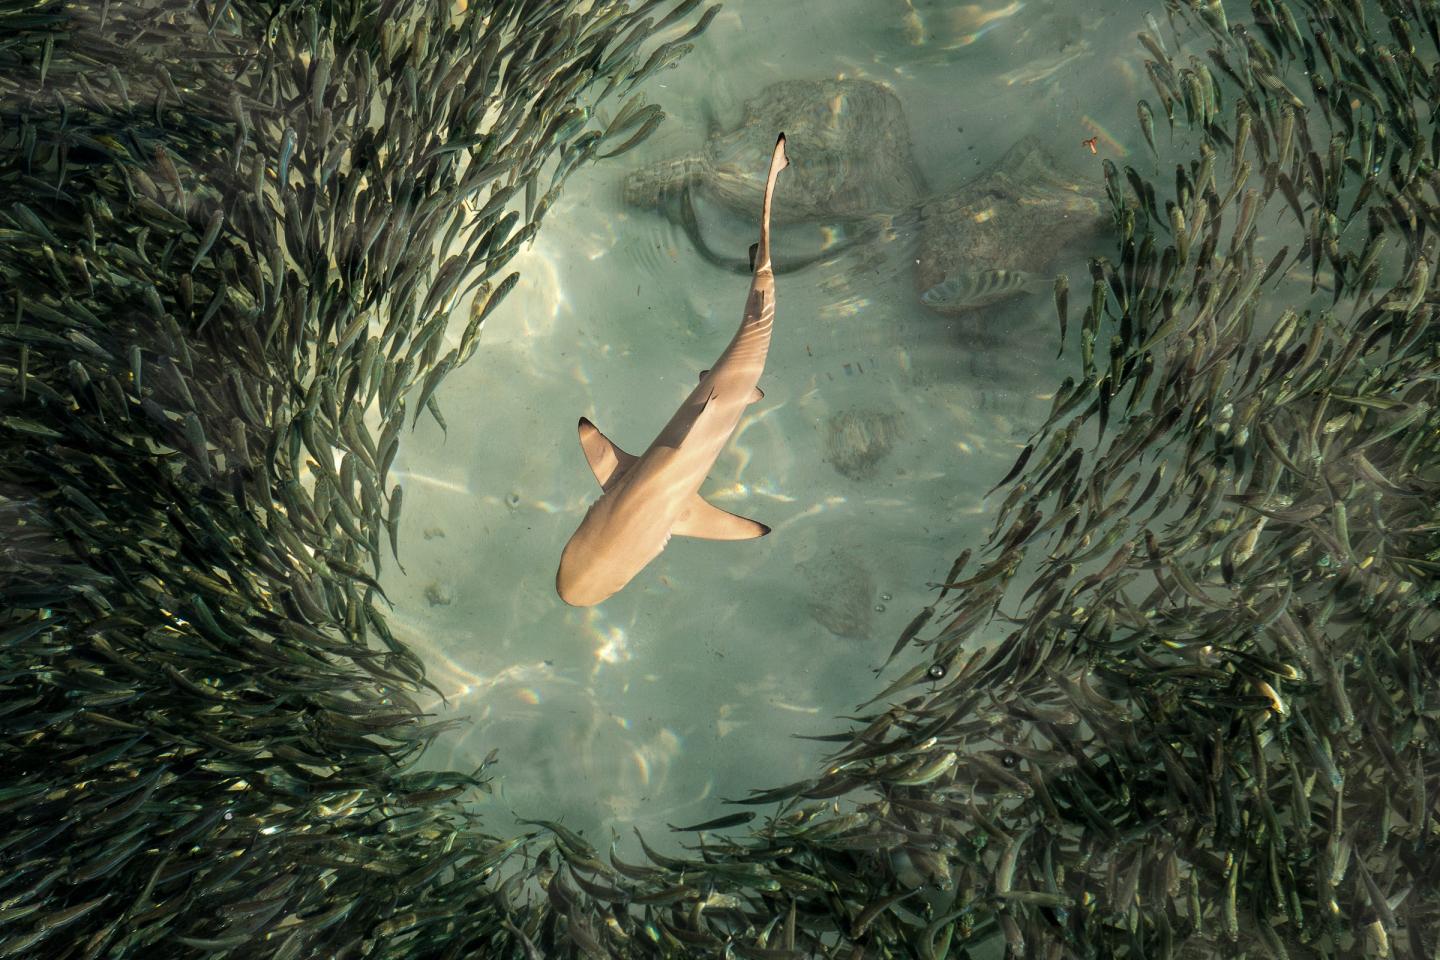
(982, 287)
(1154, 26)
(1044, 68)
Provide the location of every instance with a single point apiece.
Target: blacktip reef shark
(647, 499)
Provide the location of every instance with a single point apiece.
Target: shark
(646, 500)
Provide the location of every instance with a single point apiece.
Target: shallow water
(686, 687)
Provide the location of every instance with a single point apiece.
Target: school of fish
(1182, 702)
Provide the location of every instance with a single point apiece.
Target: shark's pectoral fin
(607, 461)
(705, 521)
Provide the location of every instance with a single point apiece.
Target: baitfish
(982, 287)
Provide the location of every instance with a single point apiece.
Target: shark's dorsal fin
(705, 521)
(756, 395)
(607, 461)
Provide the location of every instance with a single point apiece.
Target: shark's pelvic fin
(704, 520)
(756, 395)
(673, 436)
(607, 461)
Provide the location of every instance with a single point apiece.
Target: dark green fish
(981, 288)
(719, 823)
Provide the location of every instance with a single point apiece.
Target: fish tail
(779, 160)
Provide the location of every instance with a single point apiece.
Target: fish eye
(936, 671)
(1009, 759)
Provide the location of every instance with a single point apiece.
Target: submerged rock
(840, 593)
(856, 441)
(999, 235)
(850, 156)
(853, 170)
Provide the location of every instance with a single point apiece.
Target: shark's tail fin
(779, 160)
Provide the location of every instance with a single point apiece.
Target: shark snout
(581, 581)
(576, 591)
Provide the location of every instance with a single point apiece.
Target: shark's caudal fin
(779, 160)
(705, 521)
(607, 461)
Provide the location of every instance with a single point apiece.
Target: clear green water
(687, 686)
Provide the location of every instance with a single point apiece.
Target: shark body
(647, 499)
